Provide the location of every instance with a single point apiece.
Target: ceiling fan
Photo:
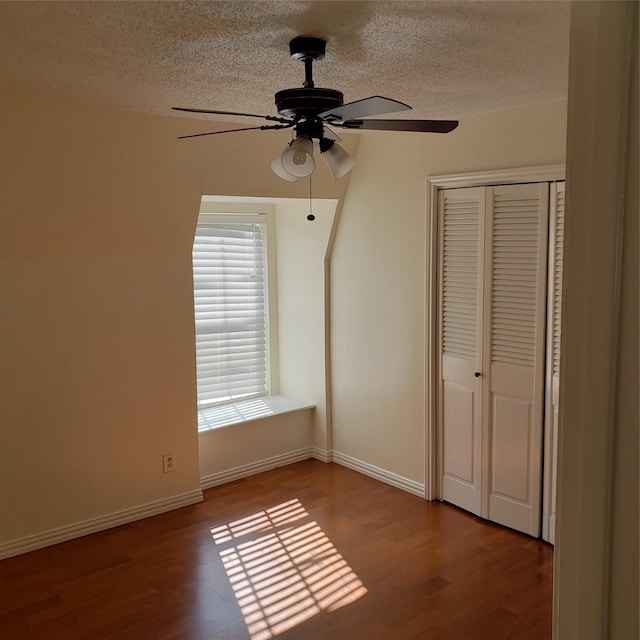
(313, 113)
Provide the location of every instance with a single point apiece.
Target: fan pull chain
(310, 217)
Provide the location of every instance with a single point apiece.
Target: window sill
(247, 411)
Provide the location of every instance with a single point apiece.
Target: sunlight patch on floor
(283, 569)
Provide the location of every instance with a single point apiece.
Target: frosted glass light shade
(278, 169)
(298, 160)
(338, 161)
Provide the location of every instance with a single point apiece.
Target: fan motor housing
(303, 47)
(307, 101)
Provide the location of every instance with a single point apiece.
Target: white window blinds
(230, 297)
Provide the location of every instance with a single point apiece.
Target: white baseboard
(322, 454)
(246, 470)
(93, 525)
(388, 477)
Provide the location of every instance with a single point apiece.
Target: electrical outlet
(168, 462)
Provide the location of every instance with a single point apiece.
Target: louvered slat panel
(514, 273)
(558, 250)
(460, 276)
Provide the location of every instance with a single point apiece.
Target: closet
(493, 342)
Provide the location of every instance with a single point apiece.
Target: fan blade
(230, 113)
(373, 106)
(263, 127)
(425, 126)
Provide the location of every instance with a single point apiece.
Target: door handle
(477, 374)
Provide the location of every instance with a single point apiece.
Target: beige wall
(302, 247)
(378, 274)
(248, 445)
(97, 374)
(624, 598)
(97, 214)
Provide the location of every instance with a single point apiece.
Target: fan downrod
(308, 49)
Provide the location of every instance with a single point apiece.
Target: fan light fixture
(337, 159)
(296, 161)
(297, 158)
(279, 170)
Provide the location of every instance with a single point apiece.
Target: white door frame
(551, 381)
(596, 559)
(544, 173)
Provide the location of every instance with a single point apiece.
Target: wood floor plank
(310, 551)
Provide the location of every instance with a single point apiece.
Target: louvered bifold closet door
(461, 226)
(554, 302)
(514, 340)
(229, 272)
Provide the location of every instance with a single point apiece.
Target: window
(231, 308)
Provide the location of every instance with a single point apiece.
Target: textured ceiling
(446, 59)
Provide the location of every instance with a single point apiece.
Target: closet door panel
(511, 434)
(514, 340)
(458, 461)
(460, 415)
(510, 446)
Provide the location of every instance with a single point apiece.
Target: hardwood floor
(309, 551)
